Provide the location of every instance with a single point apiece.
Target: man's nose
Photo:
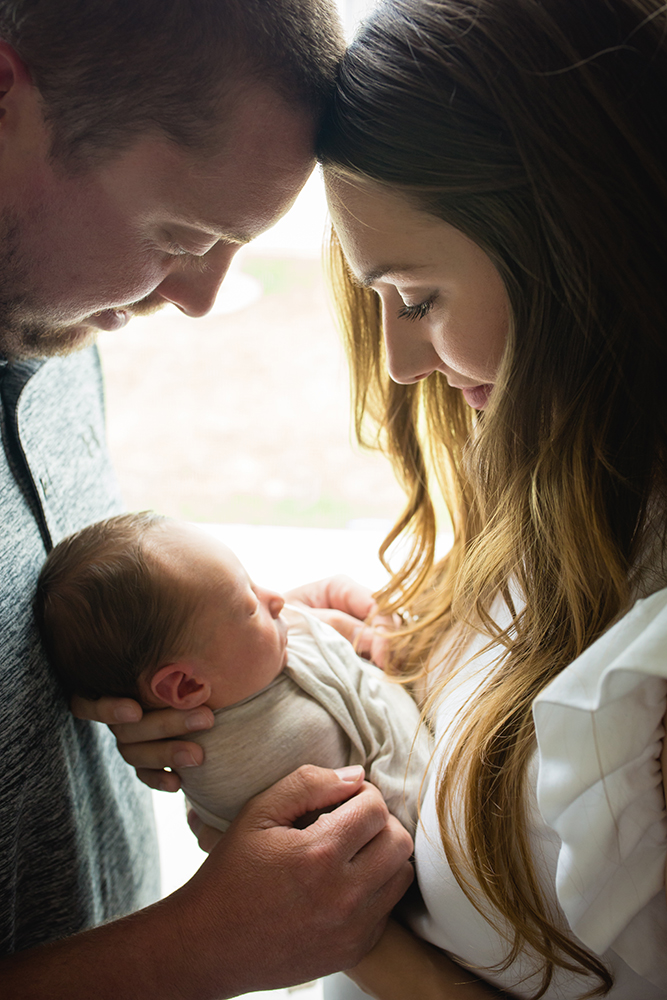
(193, 286)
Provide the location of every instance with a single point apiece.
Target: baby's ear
(177, 685)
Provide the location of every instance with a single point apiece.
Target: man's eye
(177, 251)
(418, 311)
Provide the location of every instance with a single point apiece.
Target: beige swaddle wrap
(328, 707)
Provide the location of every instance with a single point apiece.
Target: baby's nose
(276, 603)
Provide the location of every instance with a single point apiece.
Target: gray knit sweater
(77, 843)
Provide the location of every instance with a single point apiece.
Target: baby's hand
(147, 741)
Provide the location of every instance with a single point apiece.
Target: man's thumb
(310, 789)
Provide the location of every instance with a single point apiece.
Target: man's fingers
(389, 850)
(107, 710)
(391, 892)
(131, 725)
(161, 754)
(163, 781)
(166, 723)
(359, 828)
(305, 790)
(360, 821)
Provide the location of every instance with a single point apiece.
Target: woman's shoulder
(599, 728)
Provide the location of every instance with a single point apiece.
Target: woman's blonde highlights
(552, 158)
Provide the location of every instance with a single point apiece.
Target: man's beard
(24, 338)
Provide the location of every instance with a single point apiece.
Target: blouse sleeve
(599, 728)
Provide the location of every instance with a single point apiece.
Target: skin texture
(81, 251)
(237, 925)
(148, 742)
(239, 639)
(444, 305)
(155, 224)
(402, 965)
(238, 636)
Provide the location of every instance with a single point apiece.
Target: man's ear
(14, 74)
(178, 685)
(25, 138)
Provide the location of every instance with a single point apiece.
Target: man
(140, 145)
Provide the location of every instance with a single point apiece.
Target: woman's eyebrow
(386, 271)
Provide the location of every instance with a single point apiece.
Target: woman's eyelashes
(417, 311)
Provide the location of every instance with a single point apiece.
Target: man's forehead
(236, 199)
(244, 188)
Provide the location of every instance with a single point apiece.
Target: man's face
(87, 251)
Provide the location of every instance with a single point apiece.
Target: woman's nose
(194, 285)
(410, 355)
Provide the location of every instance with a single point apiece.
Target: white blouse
(597, 822)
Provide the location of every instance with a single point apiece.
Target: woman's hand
(349, 608)
(402, 965)
(147, 741)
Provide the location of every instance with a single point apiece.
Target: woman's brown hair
(537, 129)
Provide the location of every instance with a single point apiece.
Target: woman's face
(444, 305)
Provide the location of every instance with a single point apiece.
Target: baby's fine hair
(106, 612)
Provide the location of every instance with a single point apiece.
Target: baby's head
(144, 607)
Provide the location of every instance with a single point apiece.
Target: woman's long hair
(537, 128)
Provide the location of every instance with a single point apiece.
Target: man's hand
(349, 608)
(300, 902)
(148, 741)
(271, 906)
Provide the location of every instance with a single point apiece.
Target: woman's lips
(477, 396)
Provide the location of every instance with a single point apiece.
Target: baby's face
(243, 636)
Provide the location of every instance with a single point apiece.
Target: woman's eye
(418, 311)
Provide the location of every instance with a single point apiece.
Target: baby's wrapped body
(327, 707)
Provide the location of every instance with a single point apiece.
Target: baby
(144, 607)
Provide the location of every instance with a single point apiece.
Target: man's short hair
(106, 613)
(109, 70)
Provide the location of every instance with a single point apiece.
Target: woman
(497, 175)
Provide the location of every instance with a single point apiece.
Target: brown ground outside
(243, 417)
